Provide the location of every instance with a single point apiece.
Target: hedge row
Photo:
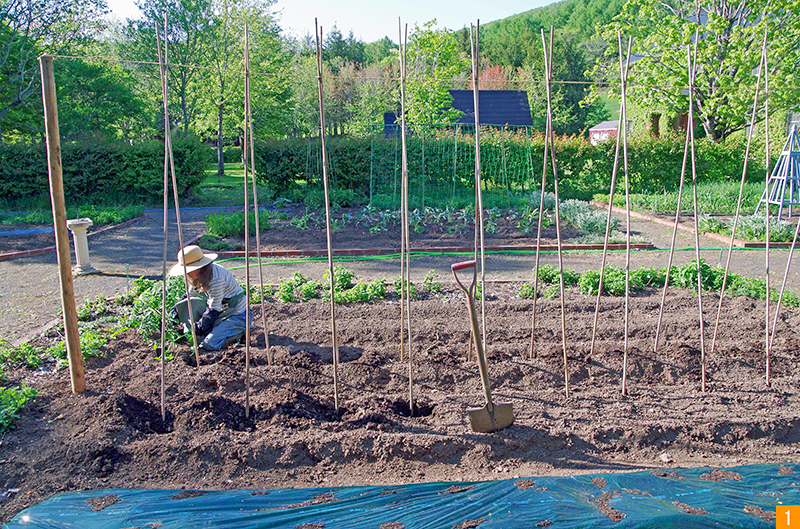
(510, 160)
(103, 172)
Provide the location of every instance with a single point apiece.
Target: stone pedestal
(78, 228)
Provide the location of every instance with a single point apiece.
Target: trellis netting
(742, 497)
(441, 163)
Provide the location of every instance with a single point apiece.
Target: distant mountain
(507, 41)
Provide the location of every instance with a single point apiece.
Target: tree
(27, 29)
(97, 98)
(728, 53)
(189, 27)
(434, 65)
(569, 89)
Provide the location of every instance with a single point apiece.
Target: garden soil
(113, 435)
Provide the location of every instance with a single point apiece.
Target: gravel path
(31, 299)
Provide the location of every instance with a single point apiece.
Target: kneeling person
(221, 298)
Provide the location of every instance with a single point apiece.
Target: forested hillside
(509, 42)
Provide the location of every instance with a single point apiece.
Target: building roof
(496, 107)
(605, 125)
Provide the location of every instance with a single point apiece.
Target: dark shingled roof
(496, 107)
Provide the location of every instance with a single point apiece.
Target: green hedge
(103, 172)
(444, 159)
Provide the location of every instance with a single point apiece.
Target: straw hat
(195, 259)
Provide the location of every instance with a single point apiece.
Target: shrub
(103, 172)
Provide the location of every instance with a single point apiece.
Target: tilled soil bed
(112, 435)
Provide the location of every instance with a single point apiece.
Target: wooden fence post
(60, 224)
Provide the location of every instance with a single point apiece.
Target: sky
(372, 20)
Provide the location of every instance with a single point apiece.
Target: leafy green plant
(92, 309)
(548, 274)
(144, 315)
(23, 355)
(257, 293)
(343, 278)
(298, 288)
(429, 283)
(91, 343)
(232, 224)
(12, 400)
(398, 284)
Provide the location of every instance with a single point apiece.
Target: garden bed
(297, 228)
(112, 435)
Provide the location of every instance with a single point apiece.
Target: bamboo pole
(479, 235)
(545, 160)
(405, 260)
(738, 210)
(245, 149)
(768, 341)
(249, 125)
(624, 133)
(164, 69)
(690, 126)
(621, 123)
(55, 172)
(548, 65)
(164, 276)
(335, 349)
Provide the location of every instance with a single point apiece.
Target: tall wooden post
(60, 223)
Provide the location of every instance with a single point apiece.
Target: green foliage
(614, 280)
(145, 313)
(753, 228)
(257, 293)
(12, 400)
(429, 283)
(548, 274)
(101, 216)
(92, 309)
(298, 288)
(211, 242)
(232, 224)
(433, 62)
(361, 292)
(343, 278)
(584, 218)
(23, 355)
(103, 172)
(727, 57)
(91, 343)
(398, 284)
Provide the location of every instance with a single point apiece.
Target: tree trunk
(220, 151)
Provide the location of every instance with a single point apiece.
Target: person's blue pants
(225, 332)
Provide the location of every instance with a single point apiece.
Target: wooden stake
(164, 69)
(335, 351)
(479, 235)
(768, 341)
(624, 133)
(405, 261)
(621, 123)
(68, 308)
(738, 209)
(690, 125)
(548, 66)
(247, 229)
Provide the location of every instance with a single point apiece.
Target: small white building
(603, 131)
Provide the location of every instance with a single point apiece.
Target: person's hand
(206, 321)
